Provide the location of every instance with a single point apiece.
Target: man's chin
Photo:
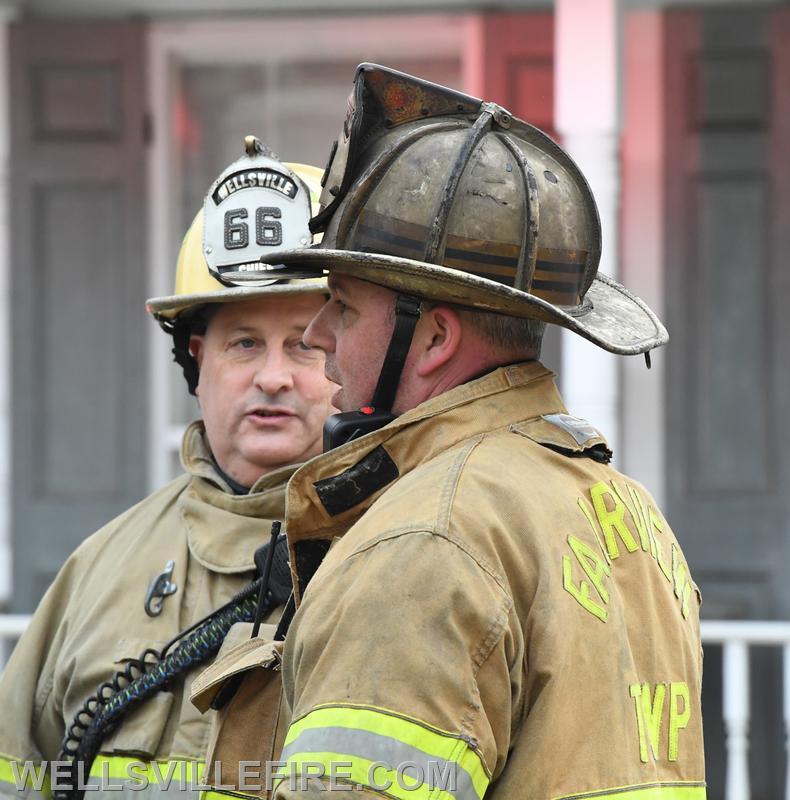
(274, 450)
(339, 402)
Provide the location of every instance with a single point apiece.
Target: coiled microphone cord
(153, 670)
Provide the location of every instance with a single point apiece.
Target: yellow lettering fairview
(621, 521)
(595, 568)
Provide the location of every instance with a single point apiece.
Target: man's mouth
(264, 413)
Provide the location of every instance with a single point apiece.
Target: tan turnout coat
(496, 600)
(92, 620)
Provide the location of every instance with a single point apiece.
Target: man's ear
(196, 345)
(439, 338)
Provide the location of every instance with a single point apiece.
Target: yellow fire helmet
(256, 207)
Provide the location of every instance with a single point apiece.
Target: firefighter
(502, 613)
(187, 549)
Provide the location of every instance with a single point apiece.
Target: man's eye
(305, 347)
(341, 306)
(245, 344)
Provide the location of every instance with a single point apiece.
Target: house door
(727, 163)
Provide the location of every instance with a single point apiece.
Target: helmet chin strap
(181, 332)
(407, 314)
(342, 428)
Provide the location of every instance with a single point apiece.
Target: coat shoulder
(136, 525)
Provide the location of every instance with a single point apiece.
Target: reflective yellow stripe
(349, 740)
(135, 770)
(658, 791)
(8, 765)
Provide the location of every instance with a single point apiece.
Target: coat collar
(328, 494)
(224, 529)
(197, 460)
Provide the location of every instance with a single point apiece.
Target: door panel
(78, 287)
(725, 246)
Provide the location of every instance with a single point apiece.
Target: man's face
(354, 330)
(262, 390)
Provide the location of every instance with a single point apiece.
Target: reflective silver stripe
(121, 789)
(9, 790)
(153, 790)
(376, 747)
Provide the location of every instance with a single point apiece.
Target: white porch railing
(735, 637)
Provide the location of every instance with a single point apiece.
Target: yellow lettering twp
(650, 715)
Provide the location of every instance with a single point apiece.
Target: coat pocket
(245, 684)
(140, 730)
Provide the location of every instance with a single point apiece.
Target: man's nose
(317, 333)
(274, 373)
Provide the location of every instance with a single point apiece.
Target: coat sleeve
(32, 726)
(399, 672)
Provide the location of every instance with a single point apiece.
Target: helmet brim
(610, 316)
(171, 306)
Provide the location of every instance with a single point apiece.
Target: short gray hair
(520, 336)
(517, 337)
